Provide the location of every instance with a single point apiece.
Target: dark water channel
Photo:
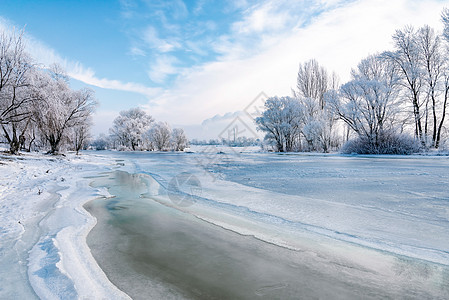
(153, 251)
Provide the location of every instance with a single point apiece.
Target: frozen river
(224, 224)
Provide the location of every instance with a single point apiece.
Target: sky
(200, 64)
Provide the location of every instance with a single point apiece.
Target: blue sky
(188, 61)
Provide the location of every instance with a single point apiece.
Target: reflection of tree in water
(131, 183)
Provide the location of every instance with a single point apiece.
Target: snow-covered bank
(43, 228)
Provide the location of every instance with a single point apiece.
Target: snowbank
(43, 228)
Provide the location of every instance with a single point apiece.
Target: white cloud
(260, 19)
(222, 126)
(162, 67)
(151, 37)
(136, 51)
(76, 71)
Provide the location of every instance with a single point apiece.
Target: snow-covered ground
(43, 251)
(387, 214)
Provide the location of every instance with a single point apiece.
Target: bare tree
(432, 64)
(445, 78)
(313, 81)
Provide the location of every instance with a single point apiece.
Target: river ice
(396, 203)
(386, 215)
(381, 221)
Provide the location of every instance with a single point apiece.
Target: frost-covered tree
(318, 126)
(33, 139)
(432, 65)
(178, 139)
(15, 68)
(80, 135)
(445, 19)
(160, 135)
(444, 105)
(313, 81)
(407, 59)
(369, 103)
(60, 109)
(130, 126)
(37, 106)
(444, 86)
(281, 122)
(422, 59)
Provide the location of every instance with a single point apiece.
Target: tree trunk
(418, 129)
(438, 137)
(54, 144)
(13, 141)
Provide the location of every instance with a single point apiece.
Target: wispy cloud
(136, 51)
(78, 72)
(152, 39)
(339, 36)
(45, 55)
(262, 18)
(162, 67)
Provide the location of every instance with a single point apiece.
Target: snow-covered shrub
(387, 144)
(100, 143)
(444, 147)
(123, 148)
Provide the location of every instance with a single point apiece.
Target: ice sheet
(388, 214)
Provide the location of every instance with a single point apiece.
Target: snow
(43, 228)
(386, 214)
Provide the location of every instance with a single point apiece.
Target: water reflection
(150, 250)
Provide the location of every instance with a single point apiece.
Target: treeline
(396, 101)
(241, 141)
(135, 130)
(38, 109)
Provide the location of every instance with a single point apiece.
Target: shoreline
(45, 195)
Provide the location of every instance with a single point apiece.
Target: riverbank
(43, 227)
